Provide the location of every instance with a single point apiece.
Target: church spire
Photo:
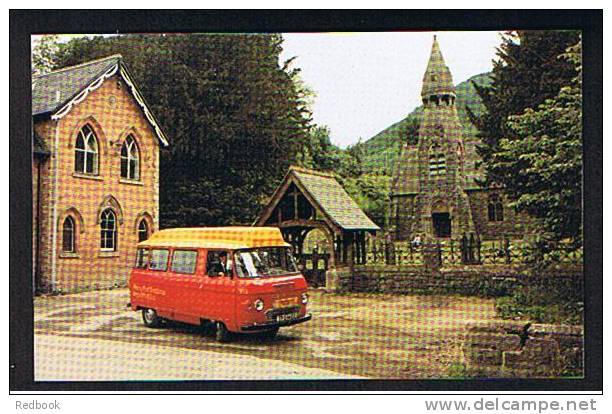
(437, 81)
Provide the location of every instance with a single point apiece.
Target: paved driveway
(93, 336)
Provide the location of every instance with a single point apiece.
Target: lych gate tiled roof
(53, 90)
(333, 200)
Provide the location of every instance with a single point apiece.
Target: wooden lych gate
(307, 200)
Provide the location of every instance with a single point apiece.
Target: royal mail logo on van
(147, 290)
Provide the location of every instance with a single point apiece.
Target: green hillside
(382, 150)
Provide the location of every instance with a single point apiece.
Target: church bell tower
(428, 193)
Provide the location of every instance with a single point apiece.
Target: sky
(365, 82)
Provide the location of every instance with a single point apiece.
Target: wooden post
(464, 249)
(507, 250)
(472, 247)
(363, 247)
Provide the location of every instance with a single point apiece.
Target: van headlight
(259, 305)
(304, 298)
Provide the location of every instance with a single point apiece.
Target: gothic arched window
(495, 208)
(108, 230)
(86, 152)
(130, 165)
(68, 236)
(143, 230)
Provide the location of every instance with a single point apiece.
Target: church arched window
(437, 161)
(495, 208)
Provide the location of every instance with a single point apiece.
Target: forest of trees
(531, 129)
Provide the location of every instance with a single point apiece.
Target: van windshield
(265, 261)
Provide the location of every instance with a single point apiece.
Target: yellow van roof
(217, 238)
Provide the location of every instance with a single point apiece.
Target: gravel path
(93, 336)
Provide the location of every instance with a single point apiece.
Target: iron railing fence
(469, 250)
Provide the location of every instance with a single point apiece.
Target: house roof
(55, 93)
(53, 90)
(329, 196)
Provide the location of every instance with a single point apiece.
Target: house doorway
(441, 224)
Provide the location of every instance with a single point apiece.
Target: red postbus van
(243, 279)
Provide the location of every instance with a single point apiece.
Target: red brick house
(95, 174)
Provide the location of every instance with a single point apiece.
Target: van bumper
(271, 325)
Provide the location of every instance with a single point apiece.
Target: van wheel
(270, 334)
(150, 318)
(223, 335)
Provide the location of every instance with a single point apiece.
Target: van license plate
(286, 317)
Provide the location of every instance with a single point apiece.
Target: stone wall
(514, 225)
(467, 280)
(520, 349)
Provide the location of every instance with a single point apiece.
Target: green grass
(458, 370)
(556, 302)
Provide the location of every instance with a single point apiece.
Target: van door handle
(201, 285)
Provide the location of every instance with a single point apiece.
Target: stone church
(435, 191)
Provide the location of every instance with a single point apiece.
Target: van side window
(159, 259)
(142, 259)
(184, 261)
(218, 262)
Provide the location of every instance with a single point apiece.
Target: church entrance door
(441, 224)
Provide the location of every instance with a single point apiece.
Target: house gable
(55, 94)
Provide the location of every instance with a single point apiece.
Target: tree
(371, 193)
(541, 158)
(526, 73)
(236, 118)
(44, 52)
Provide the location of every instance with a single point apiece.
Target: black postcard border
(23, 23)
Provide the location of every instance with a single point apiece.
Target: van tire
(270, 334)
(150, 318)
(222, 334)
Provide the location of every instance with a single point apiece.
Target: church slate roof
(437, 79)
(407, 180)
(53, 90)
